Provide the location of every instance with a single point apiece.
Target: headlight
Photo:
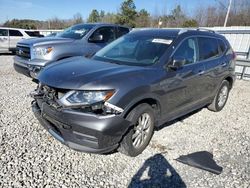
(42, 51)
(81, 98)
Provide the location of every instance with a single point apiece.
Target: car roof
(156, 32)
(12, 28)
(17, 29)
(97, 24)
(175, 32)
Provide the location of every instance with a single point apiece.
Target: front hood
(79, 73)
(45, 41)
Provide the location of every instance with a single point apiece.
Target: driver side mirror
(96, 38)
(176, 64)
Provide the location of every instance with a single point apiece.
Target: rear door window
(4, 32)
(33, 33)
(208, 48)
(15, 33)
(122, 31)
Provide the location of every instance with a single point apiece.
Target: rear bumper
(29, 68)
(81, 131)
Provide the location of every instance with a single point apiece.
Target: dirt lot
(30, 157)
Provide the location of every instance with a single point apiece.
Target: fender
(139, 99)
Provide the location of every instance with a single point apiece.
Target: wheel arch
(153, 102)
(230, 80)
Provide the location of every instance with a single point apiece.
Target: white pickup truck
(9, 37)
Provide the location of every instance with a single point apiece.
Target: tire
(223, 92)
(140, 113)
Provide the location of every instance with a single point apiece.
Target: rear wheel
(221, 97)
(139, 135)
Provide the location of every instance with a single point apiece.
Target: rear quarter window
(222, 46)
(208, 48)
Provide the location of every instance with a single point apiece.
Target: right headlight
(85, 98)
(41, 51)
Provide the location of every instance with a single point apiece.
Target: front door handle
(201, 72)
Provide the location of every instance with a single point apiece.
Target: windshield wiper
(115, 62)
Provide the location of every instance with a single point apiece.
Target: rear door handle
(223, 64)
(201, 72)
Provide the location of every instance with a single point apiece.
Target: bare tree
(77, 18)
(143, 18)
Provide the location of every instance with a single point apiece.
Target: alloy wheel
(222, 96)
(141, 130)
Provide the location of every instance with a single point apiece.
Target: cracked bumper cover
(82, 131)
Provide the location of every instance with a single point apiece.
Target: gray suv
(32, 55)
(137, 83)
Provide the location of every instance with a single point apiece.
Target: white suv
(9, 37)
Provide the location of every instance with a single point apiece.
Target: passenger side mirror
(176, 64)
(96, 38)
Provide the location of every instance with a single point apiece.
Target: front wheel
(139, 135)
(221, 97)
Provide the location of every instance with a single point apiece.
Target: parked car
(78, 40)
(9, 37)
(142, 80)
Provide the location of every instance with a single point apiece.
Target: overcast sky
(65, 9)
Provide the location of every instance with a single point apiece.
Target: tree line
(209, 16)
(53, 23)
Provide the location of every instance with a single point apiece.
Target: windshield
(134, 50)
(76, 32)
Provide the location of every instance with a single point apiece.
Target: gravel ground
(30, 157)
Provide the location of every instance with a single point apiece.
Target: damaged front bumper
(81, 131)
(30, 68)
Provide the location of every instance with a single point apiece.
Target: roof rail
(205, 29)
(183, 30)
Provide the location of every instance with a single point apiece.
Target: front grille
(23, 51)
(49, 94)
